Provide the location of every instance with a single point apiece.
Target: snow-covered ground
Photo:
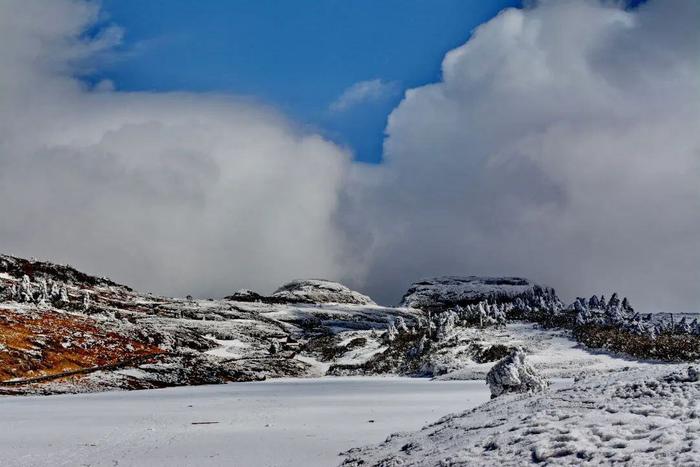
(640, 416)
(552, 352)
(277, 423)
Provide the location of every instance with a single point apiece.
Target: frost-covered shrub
(391, 333)
(398, 327)
(422, 344)
(43, 296)
(514, 374)
(401, 325)
(41, 292)
(25, 291)
(63, 294)
(86, 300)
(542, 307)
(614, 325)
(481, 314)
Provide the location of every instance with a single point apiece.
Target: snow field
(277, 423)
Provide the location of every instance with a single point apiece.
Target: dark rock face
(246, 295)
(441, 293)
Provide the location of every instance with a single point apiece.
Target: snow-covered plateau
(316, 368)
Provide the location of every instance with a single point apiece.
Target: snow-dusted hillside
(64, 331)
(320, 291)
(645, 416)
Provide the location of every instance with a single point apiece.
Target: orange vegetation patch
(39, 343)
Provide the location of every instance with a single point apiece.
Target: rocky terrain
(65, 331)
(446, 292)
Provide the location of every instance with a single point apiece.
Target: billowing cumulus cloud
(563, 144)
(174, 193)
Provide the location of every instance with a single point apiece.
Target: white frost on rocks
(448, 291)
(320, 291)
(514, 374)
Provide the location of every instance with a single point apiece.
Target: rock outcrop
(514, 374)
(320, 291)
(442, 293)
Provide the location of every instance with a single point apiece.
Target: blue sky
(298, 56)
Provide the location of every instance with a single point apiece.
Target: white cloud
(364, 91)
(173, 193)
(563, 144)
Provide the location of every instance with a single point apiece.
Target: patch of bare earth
(37, 343)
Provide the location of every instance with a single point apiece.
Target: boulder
(514, 374)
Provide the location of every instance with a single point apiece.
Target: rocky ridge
(445, 292)
(65, 331)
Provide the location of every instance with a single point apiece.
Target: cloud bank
(563, 144)
(174, 193)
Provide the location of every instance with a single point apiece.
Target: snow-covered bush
(86, 300)
(25, 291)
(391, 333)
(401, 325)
(615, 326)
(481, 314)
(43, 297)
(514, 374)
(618, 314)
(41, 292)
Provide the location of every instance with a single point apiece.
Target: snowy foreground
(277, 423)
(639, 416)
(62, 332)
